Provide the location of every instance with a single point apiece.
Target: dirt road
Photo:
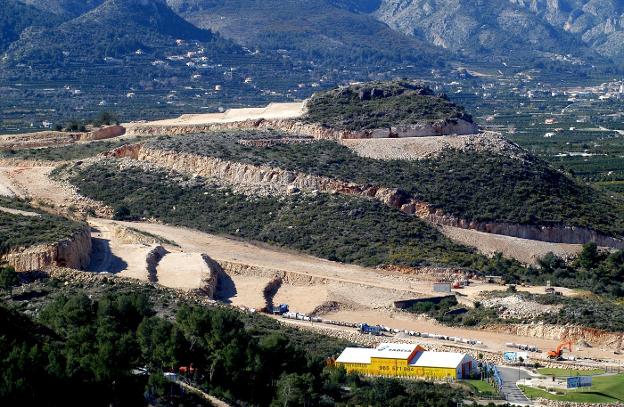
(271, 112)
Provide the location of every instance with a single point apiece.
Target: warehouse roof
(438, 359)
(355, 355)
(394, 350)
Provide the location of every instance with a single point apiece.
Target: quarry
(249, 159)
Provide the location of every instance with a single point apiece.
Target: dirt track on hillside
(271, 112)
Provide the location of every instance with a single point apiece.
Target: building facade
(407, 360)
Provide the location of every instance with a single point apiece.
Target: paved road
(510, 376)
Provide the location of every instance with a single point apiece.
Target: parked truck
(371, 329)
(280, 309)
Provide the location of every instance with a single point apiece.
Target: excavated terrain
(256, 276)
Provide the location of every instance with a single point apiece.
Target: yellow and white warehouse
(407, 360)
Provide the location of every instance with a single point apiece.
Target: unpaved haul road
(224, 249)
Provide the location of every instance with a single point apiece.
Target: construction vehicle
(558, 353)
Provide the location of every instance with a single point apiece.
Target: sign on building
(579, 381)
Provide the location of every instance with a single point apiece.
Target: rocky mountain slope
(578, 27)
(477, 27)
(599, 23)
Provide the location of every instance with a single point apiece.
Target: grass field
(482, 387)
(569, 372)
(605, 389)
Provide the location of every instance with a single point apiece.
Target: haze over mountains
(494, 26)
(341, 31)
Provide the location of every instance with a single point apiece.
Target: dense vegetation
(470, 185)
(598, 270)
(324, 225)
(113, 348)
(15, 17)
(380, 105)
(24, 231)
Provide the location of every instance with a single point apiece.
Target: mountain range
(558, 26)
(348, 31)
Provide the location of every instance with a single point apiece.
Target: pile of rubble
(554, 403)
(517, 307)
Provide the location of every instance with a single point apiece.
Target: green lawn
(569, 372)
(605, 389)
(482, 387)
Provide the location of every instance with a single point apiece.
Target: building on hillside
(407, 360)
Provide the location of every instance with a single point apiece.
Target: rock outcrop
(73, 252)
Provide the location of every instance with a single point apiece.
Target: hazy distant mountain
(477, 27)
(324, 31)
(599, 23)
(114, 29)
(15, 17)
(65, 7)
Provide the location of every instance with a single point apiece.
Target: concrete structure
(407, 360)
(442, 287)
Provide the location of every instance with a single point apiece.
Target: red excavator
(556, 354)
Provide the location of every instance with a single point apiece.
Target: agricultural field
(583, 138)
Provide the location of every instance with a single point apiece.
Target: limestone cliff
(73, 252)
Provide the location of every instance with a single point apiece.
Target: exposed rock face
(210, 281)
(267, 180)
(104, 133)
(73, 252)
(594, 337)
(530, 26)
(554, 234)
(57, 138)
(454, 126)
